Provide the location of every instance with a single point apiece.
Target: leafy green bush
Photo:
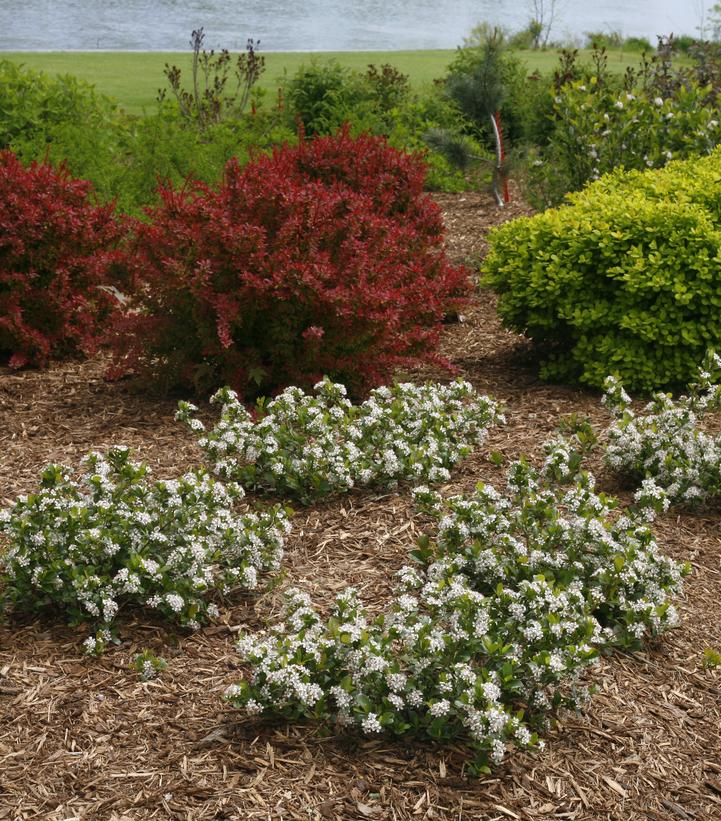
(324, 96)
(66, 122)
(63, 121)
(87, 548)
(36, 107)
(309, 446)
(596, 122)
(616, 40)
(161, 147)
(514, 595)
(623, 280)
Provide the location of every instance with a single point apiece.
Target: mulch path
(85, 738)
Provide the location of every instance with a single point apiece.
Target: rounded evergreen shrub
(323, 259)
(625, 279)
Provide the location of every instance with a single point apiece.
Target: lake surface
(355, 25)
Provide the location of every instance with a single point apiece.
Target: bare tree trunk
(544, 13)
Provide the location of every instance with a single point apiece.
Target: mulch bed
(85, 738)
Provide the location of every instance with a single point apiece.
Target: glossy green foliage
(625, 279)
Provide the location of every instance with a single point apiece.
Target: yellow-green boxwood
(624, 279)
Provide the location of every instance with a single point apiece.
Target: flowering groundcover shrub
(623, 280)
(308, 446)
(664, 444)
(53, 246)
(324, 258)
(114, 538)
(513, 597)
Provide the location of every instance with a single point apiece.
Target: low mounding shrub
(114, 538)
(624, 280)
(53, 240)
(323, 259)
(513, 597)
(665, 444)
(309, 446)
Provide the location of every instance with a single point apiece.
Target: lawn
(134, 78)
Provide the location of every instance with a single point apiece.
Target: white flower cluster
(664, 444)
(516, 594)
(115, 538)
(309, 446)
(639, 130)
(148, 665)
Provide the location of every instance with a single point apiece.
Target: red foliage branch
(54, 244)
(322, 259)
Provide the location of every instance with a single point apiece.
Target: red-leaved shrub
(53, 241)
(322, 259)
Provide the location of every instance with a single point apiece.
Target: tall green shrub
(592, 121)
(624, 280)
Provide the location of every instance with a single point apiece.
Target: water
(311, 25)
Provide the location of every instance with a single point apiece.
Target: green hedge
(624, 279)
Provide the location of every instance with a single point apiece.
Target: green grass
(133, 78)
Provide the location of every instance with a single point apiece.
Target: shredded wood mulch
(85, 738)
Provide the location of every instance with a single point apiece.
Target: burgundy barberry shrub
(322, 259)
(53, 246)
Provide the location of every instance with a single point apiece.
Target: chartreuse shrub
(323, 259)
(666, 443)
(113, 538)
(514, 594)
(624, 280)
(307, 446)
(54, 243)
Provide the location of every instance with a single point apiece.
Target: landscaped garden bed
(88, 737)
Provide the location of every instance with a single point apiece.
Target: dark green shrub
(685, 42)
(489, 70)
(410, 124)
(637, 44)
(390, 88)
(604, 39)
(325, 95)
(528, 37)
(624, 280)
